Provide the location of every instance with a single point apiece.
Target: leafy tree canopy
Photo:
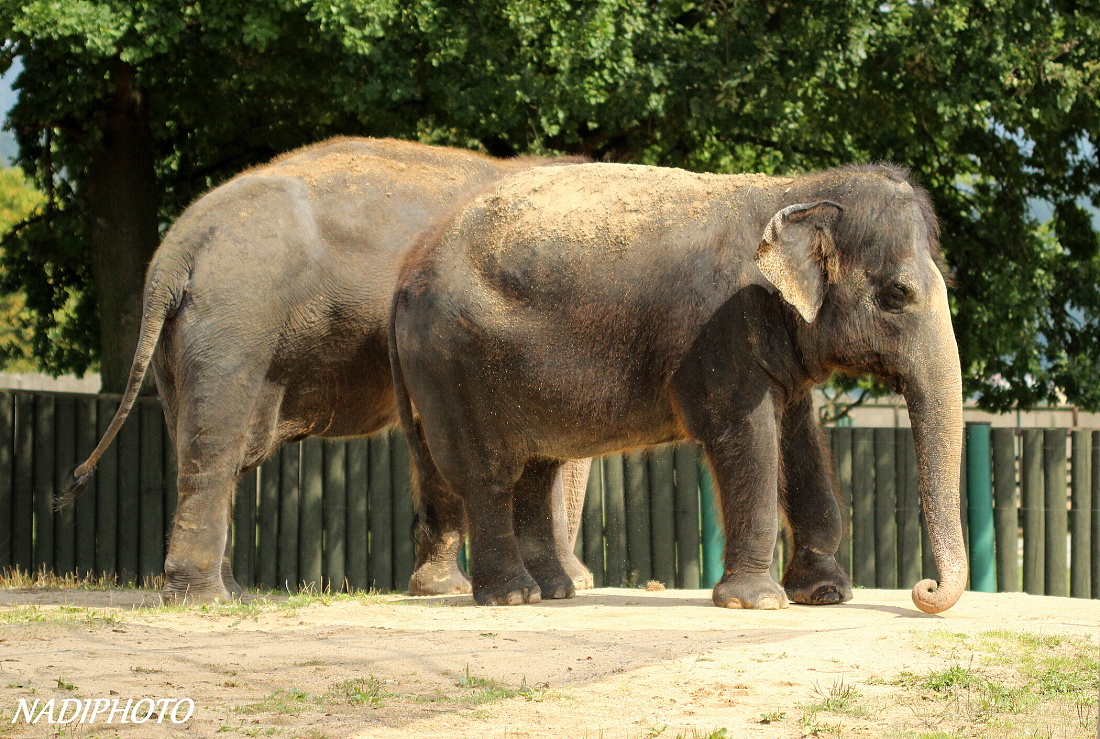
(993, 106)
(18, 200)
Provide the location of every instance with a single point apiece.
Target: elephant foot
(229, 582)
(578, 573)
(439, 578)
(554, 582)
(816, 579)
(749, 591)
(184, 594)
(515, 592)
(193, 586)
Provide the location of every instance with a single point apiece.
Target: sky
(7, 99)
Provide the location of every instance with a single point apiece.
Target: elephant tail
(418, 447)
(163, 293)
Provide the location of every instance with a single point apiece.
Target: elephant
(265, 318)
(575, 311)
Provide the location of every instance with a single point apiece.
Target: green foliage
(993, 107)
(18, 201)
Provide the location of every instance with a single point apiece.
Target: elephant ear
(798, 256)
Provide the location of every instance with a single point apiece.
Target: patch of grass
(367, 691)
(43, 579)
(773, 717)
(840, 697)
(475, 691)
(63, 685)
(281, 701)
(311, 663)
(1015, 684)
(139, 670)
(21, 615)
(705, 734)
(249, 730)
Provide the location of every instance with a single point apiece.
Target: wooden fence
(328, 512)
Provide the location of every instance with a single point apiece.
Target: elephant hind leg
(533, 517)
(570, 484)
(439, 533)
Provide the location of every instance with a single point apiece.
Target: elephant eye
(895, 296)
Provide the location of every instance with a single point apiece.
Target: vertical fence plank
(1081, 520)
(840, 441)
(22, 543)
(244, 530)
(1057, 518)
(106, 497)
(908, 518)
(128, 444)
(1005, 515)
(688, 569)
(310, 516)
(1031, 478)
(289, 488)
(64, 519)
(885, 517)
(267, 525)
(1095, 555)
(381, 513)
(592, 516)
(86, 506)
(863, 507)
(151, 552)
(404, 555)
(356, 526)
(662, 513)
(44, 484)
(336, 511)
(636, 487)
(616, 564)
(7, 471)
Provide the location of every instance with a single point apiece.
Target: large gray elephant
(266, 317)
(575, 311)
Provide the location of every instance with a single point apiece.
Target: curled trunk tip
(935, 597)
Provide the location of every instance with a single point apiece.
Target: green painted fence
(334, 512)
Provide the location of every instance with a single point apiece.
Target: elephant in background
(265, 318)
(574, 311)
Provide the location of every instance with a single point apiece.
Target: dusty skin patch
(608, 663)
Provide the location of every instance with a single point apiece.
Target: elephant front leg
(812, 576)
(745, 459)
(196, 548)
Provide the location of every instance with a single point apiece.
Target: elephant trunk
(933, 392)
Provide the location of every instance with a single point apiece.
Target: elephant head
(857, 257)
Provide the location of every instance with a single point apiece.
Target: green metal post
(979, 485)
(714, 542)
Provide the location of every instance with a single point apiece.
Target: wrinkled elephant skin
(265, 319)
(574, 311)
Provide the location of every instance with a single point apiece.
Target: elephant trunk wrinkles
(934, 396)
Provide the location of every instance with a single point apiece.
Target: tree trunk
(122, 205)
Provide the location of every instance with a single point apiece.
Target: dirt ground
(609, 663)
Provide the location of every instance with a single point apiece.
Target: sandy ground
(609, 663)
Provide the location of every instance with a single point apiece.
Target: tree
(993, 107)
(18, 200)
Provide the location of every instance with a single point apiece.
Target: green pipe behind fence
(979, 479)
(714, 543)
